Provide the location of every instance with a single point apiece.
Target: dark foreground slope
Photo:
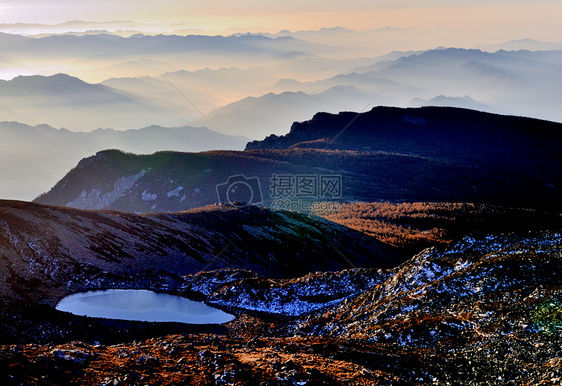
(387, 154)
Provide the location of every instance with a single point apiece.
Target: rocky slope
(205, 360)
(487, 311)
(245, 291)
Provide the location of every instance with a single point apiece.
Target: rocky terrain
(207, 360)
(386, 154)
(488, 308)
(481, 311)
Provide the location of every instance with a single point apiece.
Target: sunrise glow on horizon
(465, 22)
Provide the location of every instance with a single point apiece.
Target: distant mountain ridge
(66, 101)
(106, 44)
(521, 44)
(463, 102)
(241, 102)
(40, 155)
(275, 112)
(500, 82)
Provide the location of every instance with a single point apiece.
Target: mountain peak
(59, 78)
(353, 131)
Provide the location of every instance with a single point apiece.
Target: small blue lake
(141, 305)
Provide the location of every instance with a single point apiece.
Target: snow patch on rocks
(175, 192)
(97, 200)
(146, 196)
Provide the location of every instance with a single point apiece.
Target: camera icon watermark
(240, 191)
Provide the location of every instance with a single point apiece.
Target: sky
(494, 20)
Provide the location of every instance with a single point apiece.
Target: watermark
(240, 191)
(310, 186)
(305, 206)
(294, 192)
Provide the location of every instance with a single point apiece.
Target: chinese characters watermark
(306, 186)
(295, 192)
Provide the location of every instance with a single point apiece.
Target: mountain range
(254, 114)
(262, 99)
(154, 45)
(386, 154)
(500, 82)
(257, 84)
(66, 101)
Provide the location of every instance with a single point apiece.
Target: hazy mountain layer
(274, 113)
(33, 159)
(65, 101)
(522, 83)
(231, 79)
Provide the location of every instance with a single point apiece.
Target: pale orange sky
(477, 20)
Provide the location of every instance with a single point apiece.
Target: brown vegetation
(203, 360)
(411, 227)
